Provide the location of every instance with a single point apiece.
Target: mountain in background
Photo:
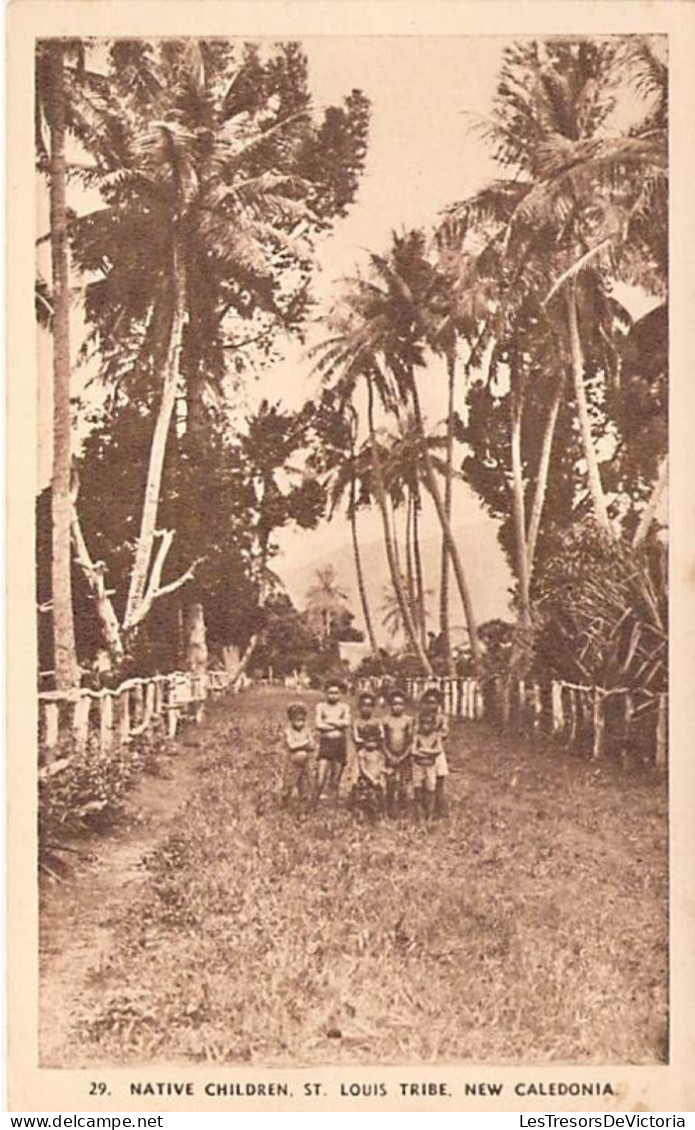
(486, 570)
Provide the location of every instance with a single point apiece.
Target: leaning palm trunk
(145, 544)
(380, 492)
(539, 493)
(518, 503)
(65, 656)
(456, 563)
(444, 620)
(593, 471)
(358, 570)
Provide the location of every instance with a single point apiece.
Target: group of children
(401, 760)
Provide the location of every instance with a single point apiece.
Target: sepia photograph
(351, 558)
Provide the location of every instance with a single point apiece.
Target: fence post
(599, 723)
(139, 696)
(479, 702)
(628, 711)
(556, 706)
(105, 722)
(149, 702)
(449, 697)
(80, 720)
(124, 716)
(521, 700)
(158, 695)
(51, 719)
(573, 715)
(537, 706)
(506, 696)
(661, 734)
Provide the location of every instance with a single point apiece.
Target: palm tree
(212, 171)
(346, 361)
(351, 472)
(599, 200)
(405, 479)
(325, 600)
(396, 309)
(52, 102)
(469, 296)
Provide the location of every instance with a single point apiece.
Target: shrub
(84, 790)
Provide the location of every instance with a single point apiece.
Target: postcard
(350, 567)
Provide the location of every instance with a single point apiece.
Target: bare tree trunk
(593, 471)
(444, 612)
(196, 657)
(649, 512)
(65, 655)
(145, 544)
(539, 493)
(245, 660)
(518, 503)
(380, 492)
(446, 530)
(95, 575)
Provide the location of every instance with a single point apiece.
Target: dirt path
(78, 915)
(529, 927)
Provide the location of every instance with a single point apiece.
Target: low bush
(84, 790)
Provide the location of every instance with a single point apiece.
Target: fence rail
(602, 720)
(114, 716)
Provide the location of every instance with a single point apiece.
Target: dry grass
(530, 927)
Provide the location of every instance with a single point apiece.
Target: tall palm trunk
(194, 625)
(393, 525)
(361, 588)
(444, 618)
(593, 471)
(539, 493)
(419, 573)
(456, 563)
(518, 503)
(170, 376)
(65, 656)
(410, 564)
(396, 580)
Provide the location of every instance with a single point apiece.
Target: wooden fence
(604, 721)
(115, 716)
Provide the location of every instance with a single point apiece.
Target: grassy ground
(530, 927)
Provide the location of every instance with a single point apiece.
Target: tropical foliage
(216, 179)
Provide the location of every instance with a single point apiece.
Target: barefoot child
(299, 746)
(427, 748)
(367, 734)
(398, 739)
(432, 700)
(332, 723)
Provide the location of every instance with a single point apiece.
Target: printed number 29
(98, 1089)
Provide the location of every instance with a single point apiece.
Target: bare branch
(154, 593)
